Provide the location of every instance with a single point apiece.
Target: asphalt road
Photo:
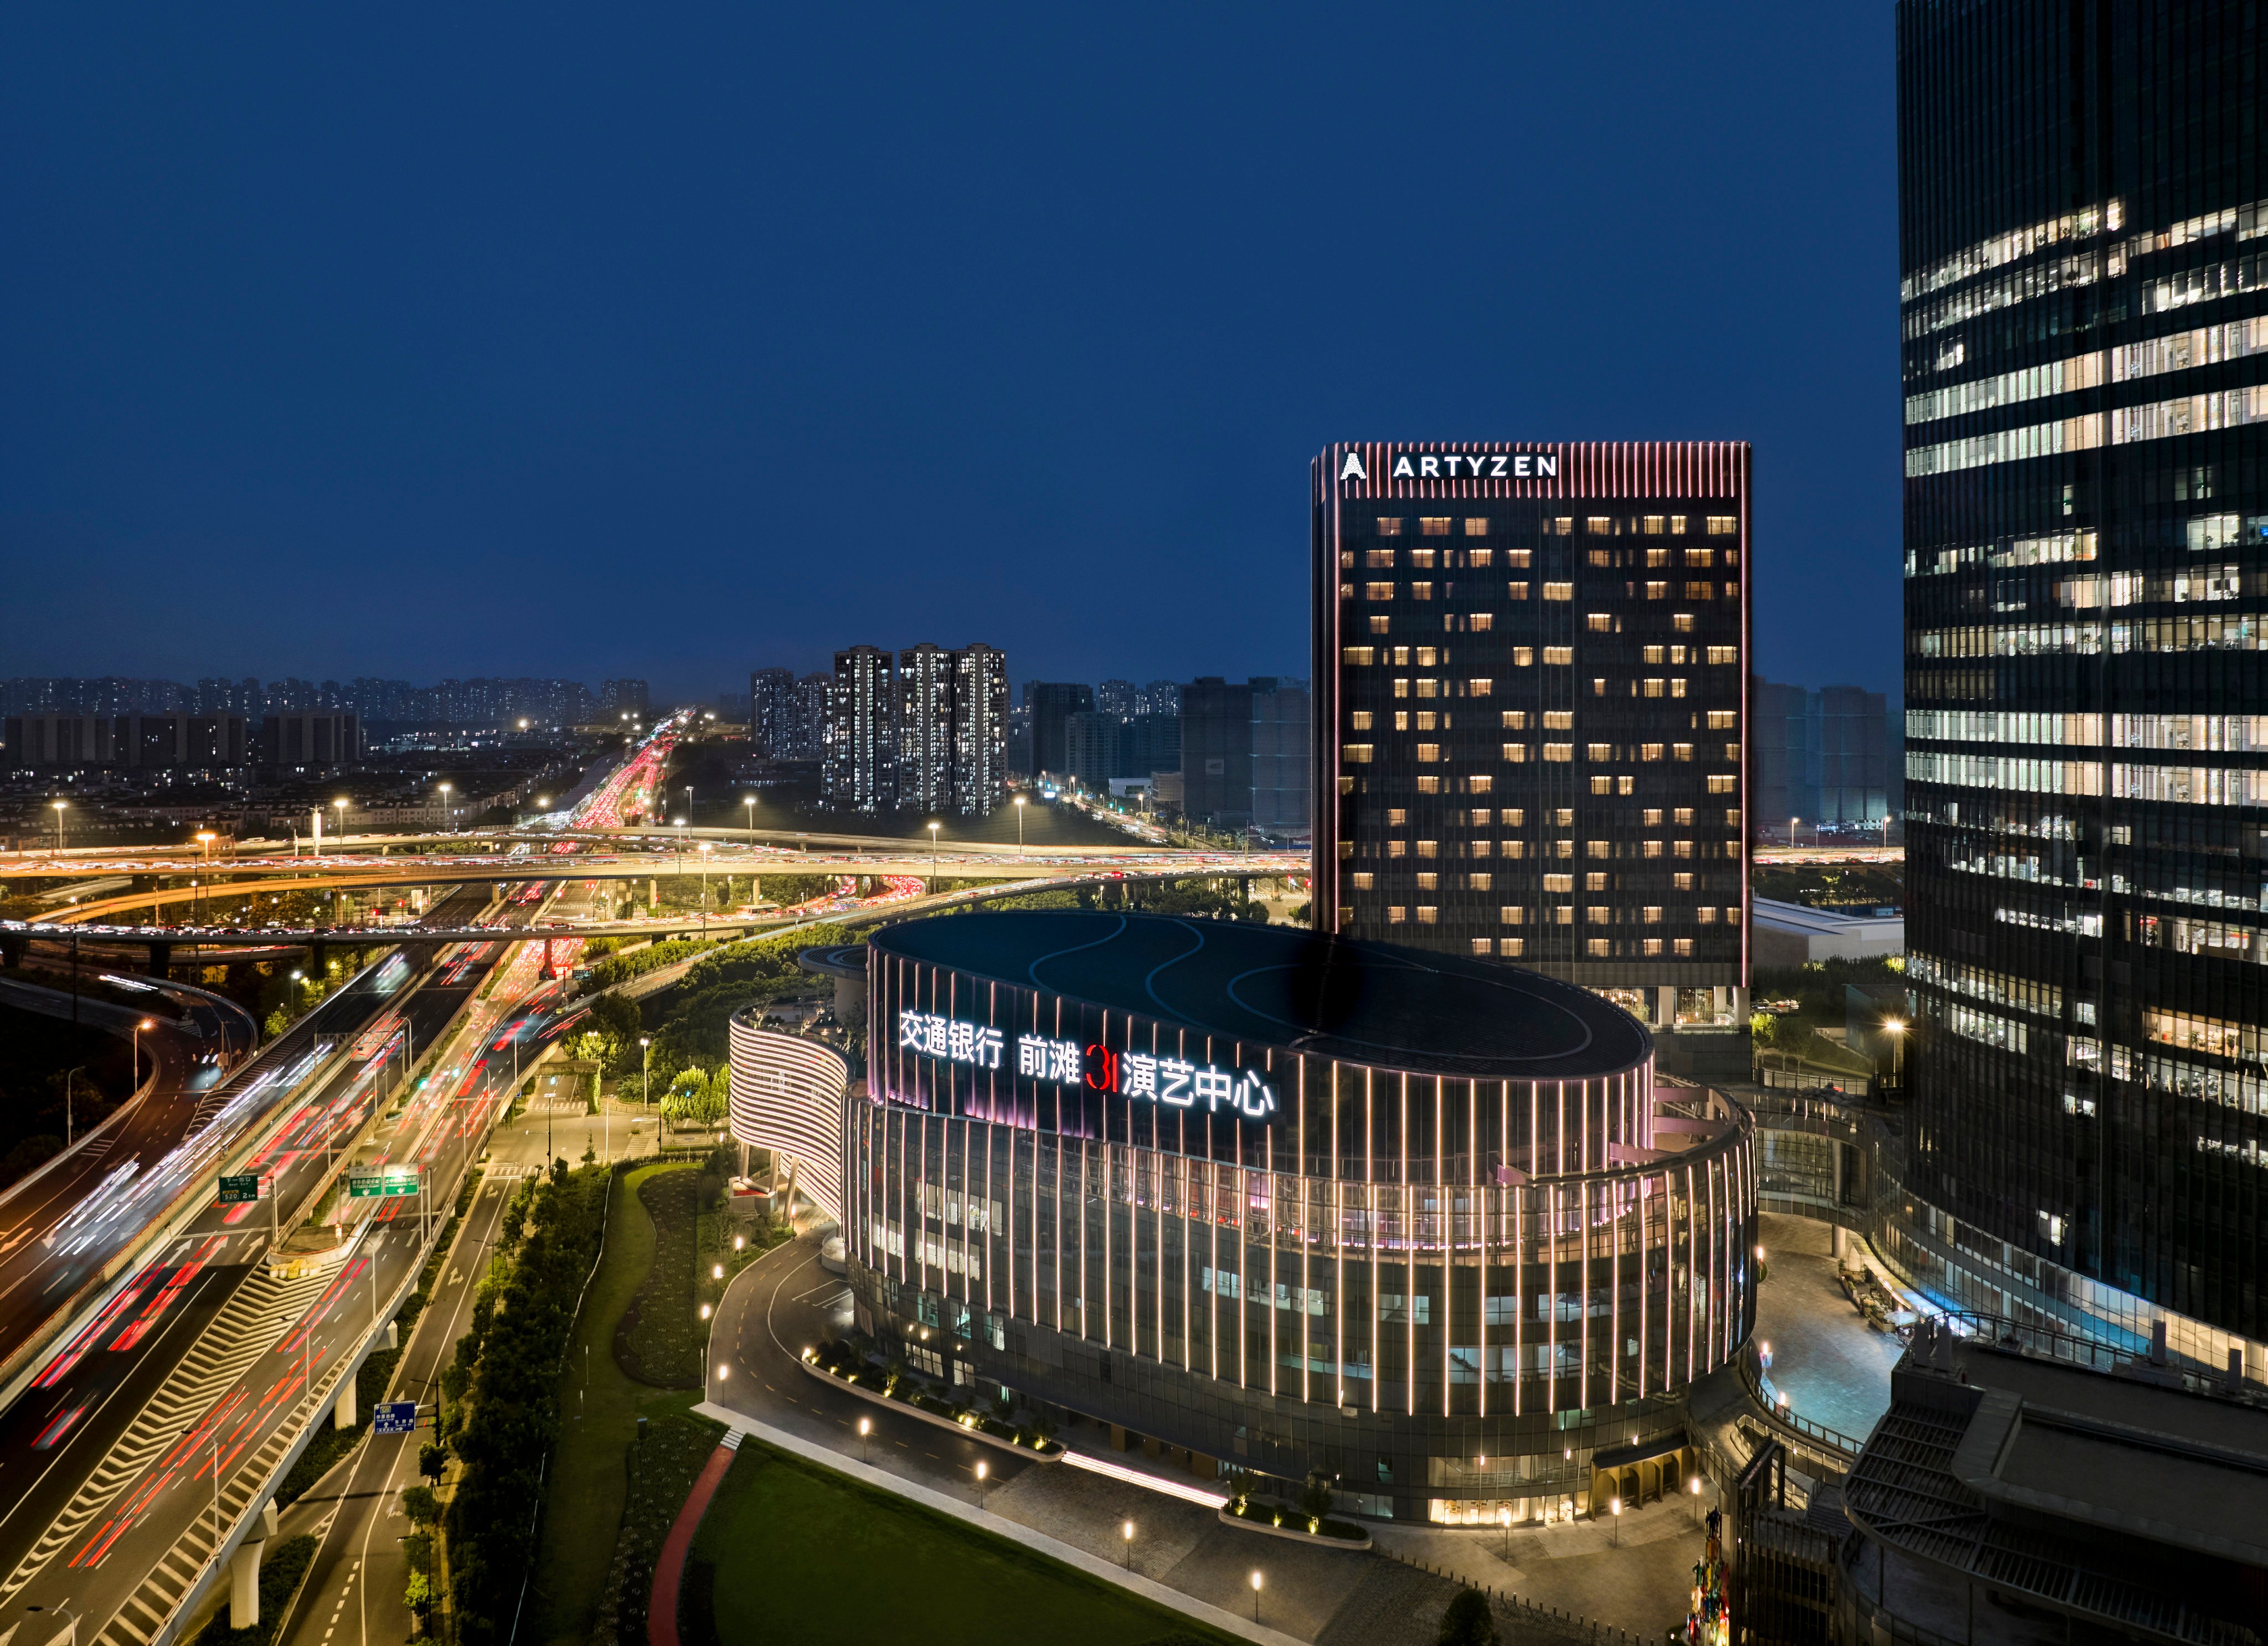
(204, 1362)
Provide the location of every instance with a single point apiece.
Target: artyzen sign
(1174, 1082)
(1457, 466)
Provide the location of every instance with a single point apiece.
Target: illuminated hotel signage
(1173, 1081)
(1460, 466)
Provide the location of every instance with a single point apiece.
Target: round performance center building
(1259, 1199)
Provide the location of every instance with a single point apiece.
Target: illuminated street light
(1020, 829)
(1694, 1487)
(1616, 1505)
(982, 1471)
(1255, 1596)
(447, 816)
(1126, 1534)
(340, 806)
(865, 1429)
(932, 859)
(749, 801)
(60, 806)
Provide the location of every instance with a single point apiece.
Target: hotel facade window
(2084, 300)
(1583, 650)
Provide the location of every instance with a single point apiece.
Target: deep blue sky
(580, 342)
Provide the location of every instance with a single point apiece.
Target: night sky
(581, 342)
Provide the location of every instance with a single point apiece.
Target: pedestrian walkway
(669, 1570)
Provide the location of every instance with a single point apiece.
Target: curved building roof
(1359, 1003)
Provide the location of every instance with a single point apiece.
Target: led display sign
(1174, 1082)
(1460, 466)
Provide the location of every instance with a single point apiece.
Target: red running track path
(669, 1570)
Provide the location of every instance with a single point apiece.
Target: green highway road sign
(235, 1191)
(364, 1185)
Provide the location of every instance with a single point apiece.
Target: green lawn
(598, 1410)
(659, 1345)
(793, 1552)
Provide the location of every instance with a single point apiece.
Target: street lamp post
(1255, 1596)
(1896, 1029)
(340, 806)
(447, 816)
(749, 801)
(68, 1078)
(864, 1428)
(646, 1078)
(1693, 1488)
(134, 1077)
(1791, 822)
(60, 806)
(706, 847)
(932, 859)
(982, 1471)
(1020, 829)
(1616, 1505)
(1126, 1536)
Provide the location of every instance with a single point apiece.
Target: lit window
(1723, 719)
(1512, 915)
(1428, 754)
(1650, 913)
(1481, 945)
(1657, 591)
(1515, 720)
(1732, 818)
(1389, 525)
(1705, 915)
(1424, 659)
(1559, 883)
(1723, 783)
(1732, 917)
(1421, 590)
(1523, 657)
(1357, 656)
(1479, 557)
(1362, 879)
(1396, 914)
(1427, 914)
(1651, 849)
(1653, 687)
(1429, 848)
(1700, 557)
(1599, 623)
(1361, 719)
(1402, 720)
(1433, 526)
(1598, 750)
(1653, 817)
(1428, 881)
(1516, 754)
(1682, 817)
(1378, 557)
(1657, 557)
(1645, 751)
(1480, 783)
(1396, 818)
(1515, 848)
(1681, 881)
(1654, 526)
(1479, 687)
(1625, 785)
(1561, 751)
(1677, 688)
(1681, 751)
(1354, 753)
(1595, 881)
(1598, 948)
(1603, 557)
(1561, 525)
(1562, 655)
(1599, 526)
(1651, 654)
(1513, 818)
(1699, 592)
(1564, 914)
(1402, 689)
(1598, 849)
(1428, 785)
(1401, 657)
(1559, 719)
(1478, 882)
(1724, 654)
(1516, 591)
(1682, 623)
(1653, 945)
(1518, 556)
(1428, 718)
(1377, 627)
(1681, 945)
(1428, 688)
(1602, 785)
(1731, 751)
(1724, 524)
(1397, 849)
(1476, 526)
(1480, 815)
(1481, 623)
(1558, 591)
(1512, 947)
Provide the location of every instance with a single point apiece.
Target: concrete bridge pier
(244, 1571)
(344, 1410)
(161, 958)
(12, 949)
(318, 957)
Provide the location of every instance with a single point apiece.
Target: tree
(1316, 1496)
(1468, 1621)
(419, 1503)
(432, 1458)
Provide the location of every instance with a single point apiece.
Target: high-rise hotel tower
(1530, 710)
(2083, 225)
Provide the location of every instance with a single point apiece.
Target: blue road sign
(395, 1417)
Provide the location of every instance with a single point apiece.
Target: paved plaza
(1834, 1367)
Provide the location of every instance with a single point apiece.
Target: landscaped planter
(1044, 1452)
(1262, 1518)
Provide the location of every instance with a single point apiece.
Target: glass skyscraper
(2084, 309)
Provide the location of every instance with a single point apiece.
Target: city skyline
(770, 392)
